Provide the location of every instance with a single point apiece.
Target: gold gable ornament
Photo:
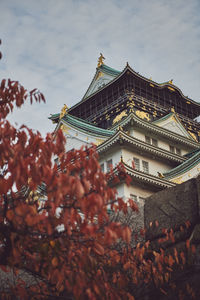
(63, 111)
(100, 60)
(172, 109)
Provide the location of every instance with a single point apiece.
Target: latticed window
(145, 166)
(151, 141)
(137, 163)
(172, 149)
(154, 142)
(147, 139)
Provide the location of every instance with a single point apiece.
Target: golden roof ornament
(100, 60)
(170, 81)
(172, 109)
(63, 111)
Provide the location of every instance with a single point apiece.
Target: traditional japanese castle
(151, 127)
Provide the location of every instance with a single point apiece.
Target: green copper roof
(54, 116)
(185, 166)
(109, 70)
(86, 126)
(190, 154)
(163, 118)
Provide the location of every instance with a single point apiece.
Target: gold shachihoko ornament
(100, 60)
(63, 111)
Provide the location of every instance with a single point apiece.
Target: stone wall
(177, 208)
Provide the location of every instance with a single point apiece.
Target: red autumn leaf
(98, 249)
(79, 189)
(170, 261)
(187, 244)
(10, 214)
(126, 234)
(54, 261)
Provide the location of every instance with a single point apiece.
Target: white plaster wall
(76, 138)
(136, 190)
(114, 154)
(126, 191)
(154, 164)
(121, 190)
(163, 143)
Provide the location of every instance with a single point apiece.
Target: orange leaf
(99, 249)
(187, 244)
(171, 261)
(10, 215)
(54, 262)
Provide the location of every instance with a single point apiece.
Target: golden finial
(63, 111)
(122, 159)
(170, 81)
(160, 175)
(100, 60)
(172, 109)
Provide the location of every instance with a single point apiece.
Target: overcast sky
(54, 45)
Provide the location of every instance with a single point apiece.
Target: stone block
(171, 208)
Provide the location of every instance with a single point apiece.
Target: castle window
(137, 163)
(154, 142)
(145, 166)
(147, 139)
(151, 141)
(172, 149)
(109, 165)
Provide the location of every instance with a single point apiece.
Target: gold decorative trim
(171, 89)
(100, 74)
(178, 180)
(119, 117)
(98, 142)
(142, 115)
(193, 135)
(65, 128)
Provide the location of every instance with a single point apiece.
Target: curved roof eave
(162, 153)
(90, 129)
(162, 85)
(148, 178)
(156, 128)
(128, 68)
(185, 166)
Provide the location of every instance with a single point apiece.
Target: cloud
(55, 46)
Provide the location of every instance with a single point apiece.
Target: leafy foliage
(54, 220)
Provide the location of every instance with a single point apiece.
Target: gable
(172, 123)
(102, 77)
